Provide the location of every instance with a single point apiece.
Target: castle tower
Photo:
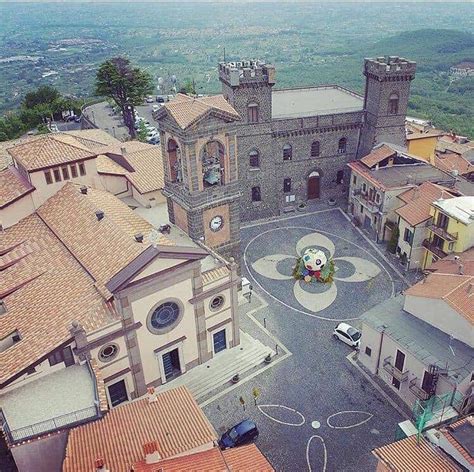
(387, 90)
(247, 86)
(199, 148)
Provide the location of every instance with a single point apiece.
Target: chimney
(139, 237)
(123, 150)
(100, 465)
(84, 190)
(150, 451)
(151, 394)
(3, 307)
(99, 214)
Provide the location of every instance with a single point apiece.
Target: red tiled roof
(418, 202)
(409, 455)
(378, 155)
(452, 161)
(12, 186)
(449, 265)
(174, 421)
(465, 423)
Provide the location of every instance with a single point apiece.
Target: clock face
(216, 223)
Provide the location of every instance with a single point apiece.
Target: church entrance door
(313, 186)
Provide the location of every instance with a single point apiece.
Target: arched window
(252, 112)
(176, 173)
(213, 164)
(341, 149)
(287, 152)
(254, 159)
(393, 104)
(315, 149)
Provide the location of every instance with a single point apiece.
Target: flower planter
(331, 202)
(235, 378)
(268, 359)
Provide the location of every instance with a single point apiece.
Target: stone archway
(313, 185)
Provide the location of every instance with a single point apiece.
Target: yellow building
(423, 144)
(451, 230)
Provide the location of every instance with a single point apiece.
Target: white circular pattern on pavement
(287, 408)
(316, 424)
(367, 416)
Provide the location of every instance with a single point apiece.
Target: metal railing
(434, 249)
(417, 391)
(393, 371)
(442, 233)
(52, 424)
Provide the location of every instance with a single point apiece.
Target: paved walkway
(207, 379)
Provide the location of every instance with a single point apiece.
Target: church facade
(254, 152)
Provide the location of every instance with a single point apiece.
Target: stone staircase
(217, 372)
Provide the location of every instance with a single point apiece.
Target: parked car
(149, 99)
(348, 334)
(154, 140)
(244, 432)
(160, 99)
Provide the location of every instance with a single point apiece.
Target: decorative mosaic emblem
(314, 266)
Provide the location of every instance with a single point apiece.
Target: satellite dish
(173, 79)
(160, 80)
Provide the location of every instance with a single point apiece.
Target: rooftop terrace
(313, 101)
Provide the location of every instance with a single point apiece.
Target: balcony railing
(442, 233)
(36, 429)
(417, 391)
(434, 249)
(364, 200)
(393, 371)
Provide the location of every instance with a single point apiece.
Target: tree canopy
(126, 85)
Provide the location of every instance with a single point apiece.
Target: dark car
(242, 433)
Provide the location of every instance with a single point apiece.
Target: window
(368, 351)
(340, 177)
(408, 236)
(396, 383)
(377, 197)
(287, 152)
(354, 180)
(315, 149)
(48, 177)
(73, 170)
(364, 187)
(65, 173)
(108, 352)
(393, 104)
(254, 159)
(216, 303)
(442, 221)
(341, 149)
(213, 164)
(256, 196)
(57, 175)
(362, 209)
(82, 168)
(176, 173)
(164, 317)
(286, 185)
(252, 112)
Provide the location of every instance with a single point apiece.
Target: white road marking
(316, 424)
(267, 266)
(285, 408)
(369, 416)
(324, 451)
(312, 315)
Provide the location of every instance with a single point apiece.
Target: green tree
(142, 132)
(127, 86)
(188, 88)
(43, 94)
(393, 243)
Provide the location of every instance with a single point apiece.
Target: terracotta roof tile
(103, 247)
(424, 134)
(378, 155)
(456, 290)
(99, 378)
(106, 165)
(12, 186)
(241, 459)
(448, 265)
(174, 421)
(247, 459)
(418, 202)
(447, 432)
(186, 110)
(451, 161)
(50, 150)
(406, 455)
(51, 288)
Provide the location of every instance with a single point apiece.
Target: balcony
(417, 391)
(438, 252)
(393, 371)
(364, 200)
(442, 233)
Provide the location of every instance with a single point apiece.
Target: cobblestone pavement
(325, 416)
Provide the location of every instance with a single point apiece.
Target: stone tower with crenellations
(387, 91)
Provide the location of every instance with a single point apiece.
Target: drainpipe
(380, 349)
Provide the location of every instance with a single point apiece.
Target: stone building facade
(279, 148)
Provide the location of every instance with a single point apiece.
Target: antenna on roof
(224, 55)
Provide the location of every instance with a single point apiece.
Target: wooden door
(400, 360)
(313, 187)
